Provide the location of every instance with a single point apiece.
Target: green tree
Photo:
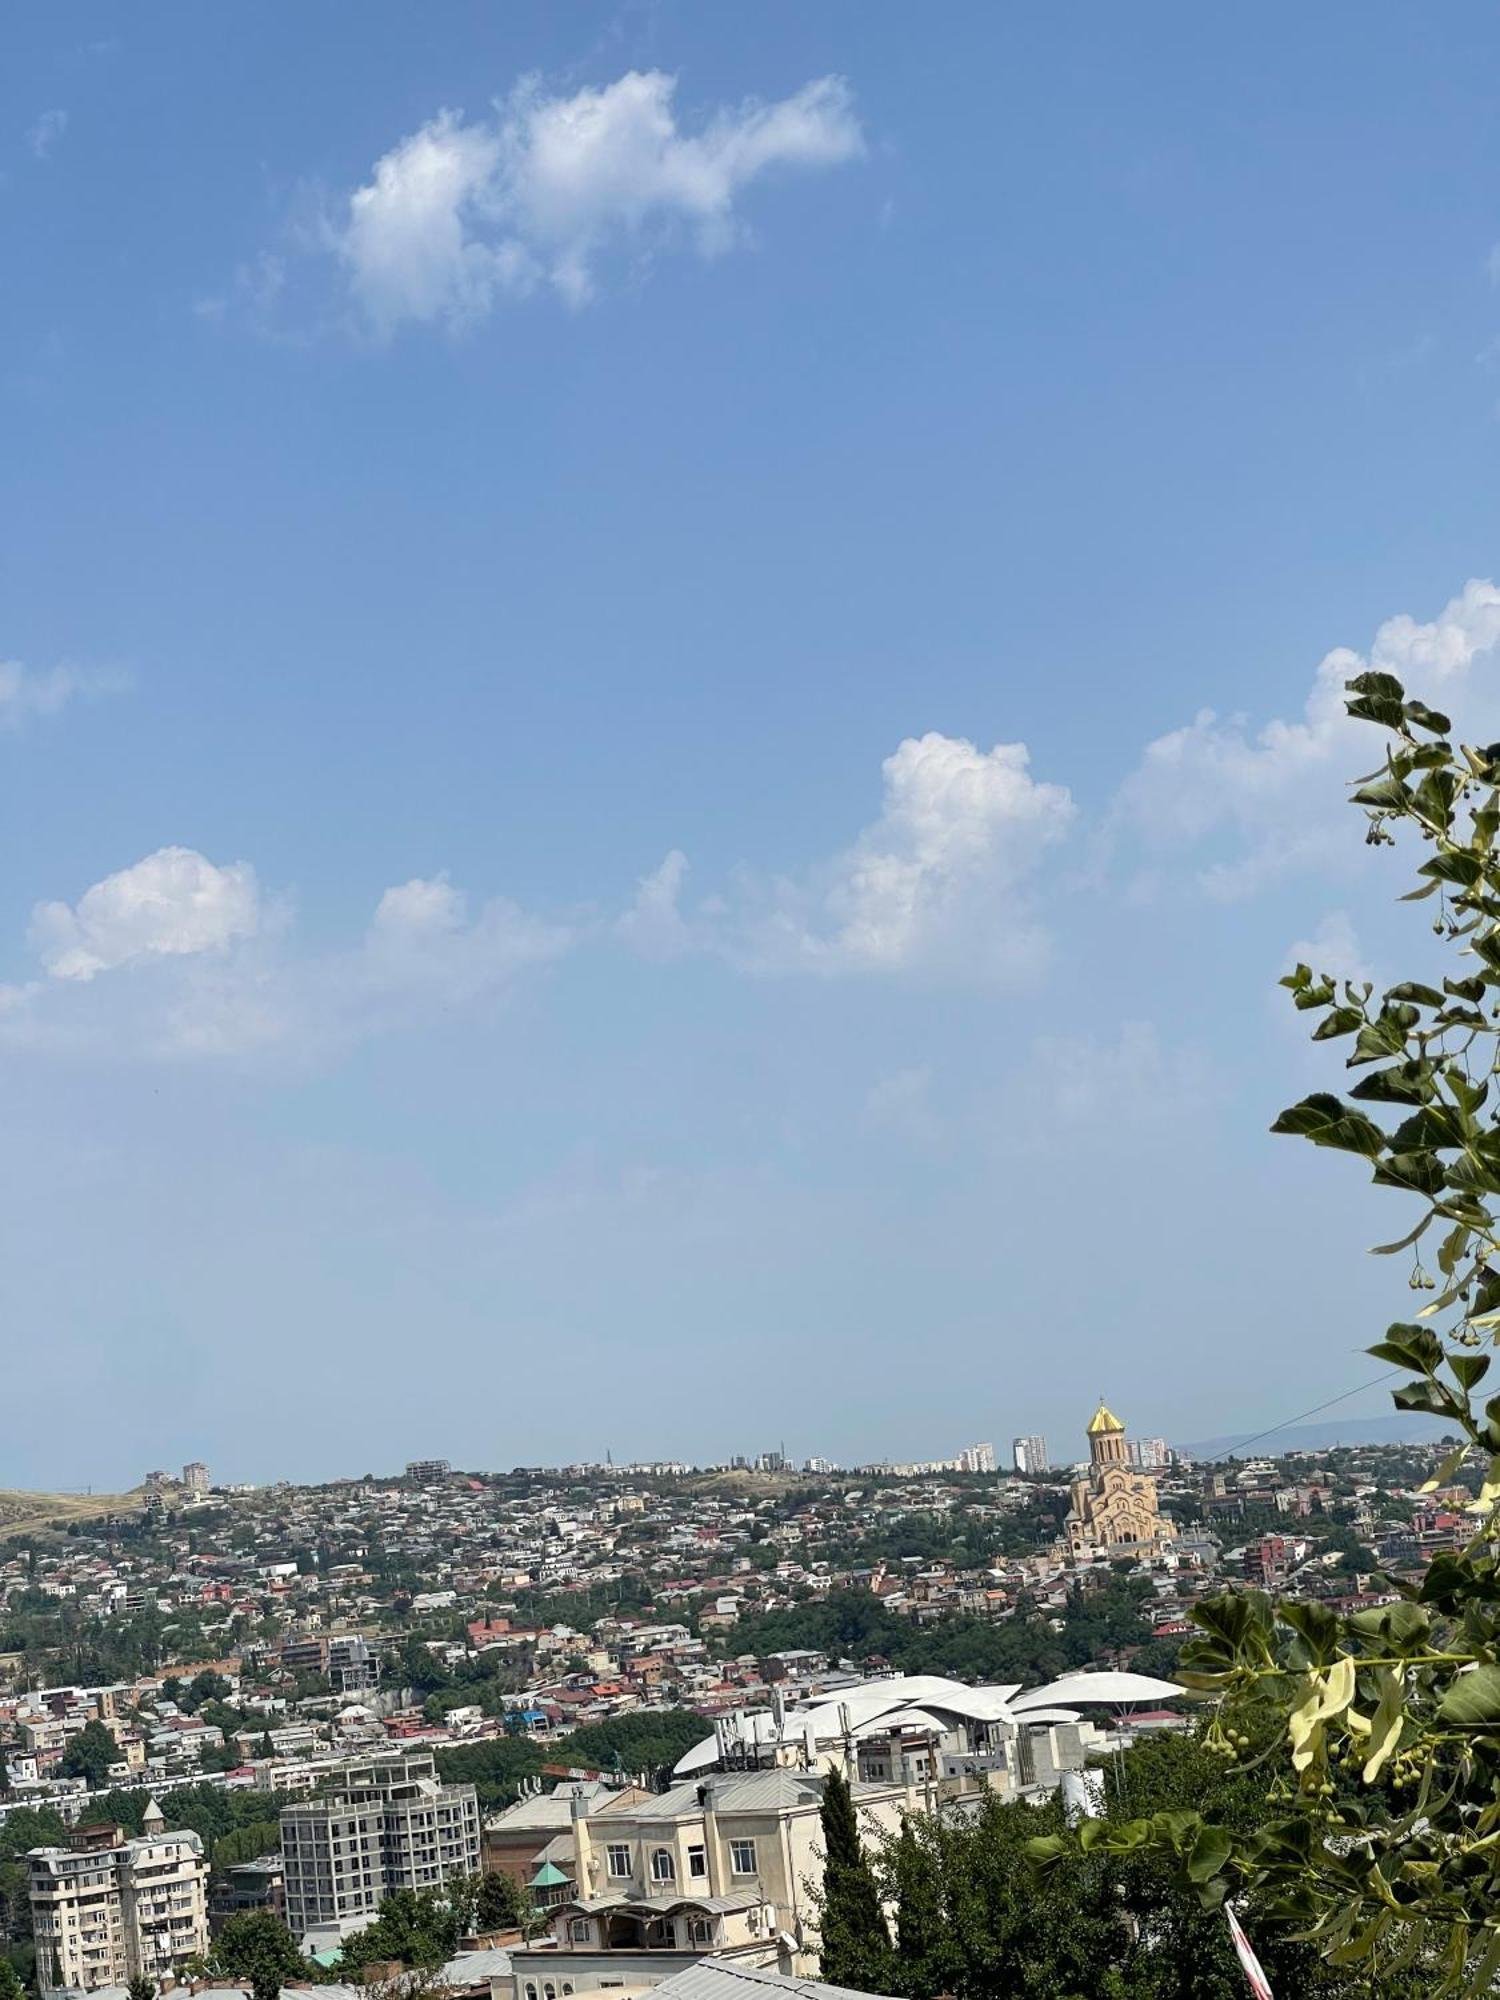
(419, 1928)
(920, 1923)
(90, 1754)
(1382, 1836)
(10, 1982)
(501, 1905)
(138, 1988)
(855, 1943)
(256, 1948)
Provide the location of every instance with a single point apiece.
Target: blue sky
(666, 713)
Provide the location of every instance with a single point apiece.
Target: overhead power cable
(1316, 1410)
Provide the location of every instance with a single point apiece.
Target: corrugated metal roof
(474, 1968)
(727, 1979)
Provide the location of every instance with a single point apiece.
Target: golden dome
(1104, 1419)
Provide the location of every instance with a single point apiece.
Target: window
(698, 1862)
(580, 1930)
(618, 1859)
(742, 1856)
(531, 1989)
(549, 1991)
(663, 1867)
(700, 1930)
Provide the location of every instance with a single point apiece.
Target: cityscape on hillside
(749, 1000)
(603, 1699)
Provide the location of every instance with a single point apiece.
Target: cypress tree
(856, 1944)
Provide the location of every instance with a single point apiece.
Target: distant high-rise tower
(1150, 1454)
(1029, 1454)
(195, 1476)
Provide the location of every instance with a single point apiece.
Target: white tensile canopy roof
(930, 1700)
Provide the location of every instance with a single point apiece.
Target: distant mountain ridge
(1400, 1427)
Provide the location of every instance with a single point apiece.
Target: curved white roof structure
(928, 1701)
(1115, 1690)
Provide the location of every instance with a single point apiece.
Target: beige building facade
(1114, 1505)
(105, 1910)
(719, 1866)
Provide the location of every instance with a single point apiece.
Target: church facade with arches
(1114, 1505)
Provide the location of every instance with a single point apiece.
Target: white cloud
(1333, 948)
(654, 924)
(27, 692)
(217, 973)
(172, 904)
(937, 885)
(1271, 797)
(46, 133)
(462, 213)
(423, 942)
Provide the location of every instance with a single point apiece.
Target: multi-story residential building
(391, 1824)
(976, 1458)
(428, 1471)
(105, 1910)
(195, 1476)
(1029, 1454)
(1150, 1454)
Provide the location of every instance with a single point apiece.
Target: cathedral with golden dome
(1114, 1505)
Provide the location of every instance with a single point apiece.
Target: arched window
(549, 1991)
(663, 1867)
(531, 1989)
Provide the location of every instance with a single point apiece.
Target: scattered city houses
(331, 1647)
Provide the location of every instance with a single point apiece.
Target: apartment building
(392, 1824)
(105, 1910)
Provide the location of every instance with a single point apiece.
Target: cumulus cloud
(27, 691)
(654, 924)
(460, 214)
(217, 973)
(939, 883)
(1270, 797)
(423, 941)
(170, 905)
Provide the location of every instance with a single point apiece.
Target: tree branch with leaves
(1379, 1732)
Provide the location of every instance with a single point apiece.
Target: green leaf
(1387, 794)
(1328, 1122)
(1316, 1625)
(1409, 1346)
(1339, 1021)
(1431, 719)
(1469, 1369)
(1454, 864)
(1473, 1701)
(1046, 1850)
(1405, 1242)
(1377, 698)
(1407, 1082)
(1434, 1397)
(1411, 989)
(1209, 1853)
